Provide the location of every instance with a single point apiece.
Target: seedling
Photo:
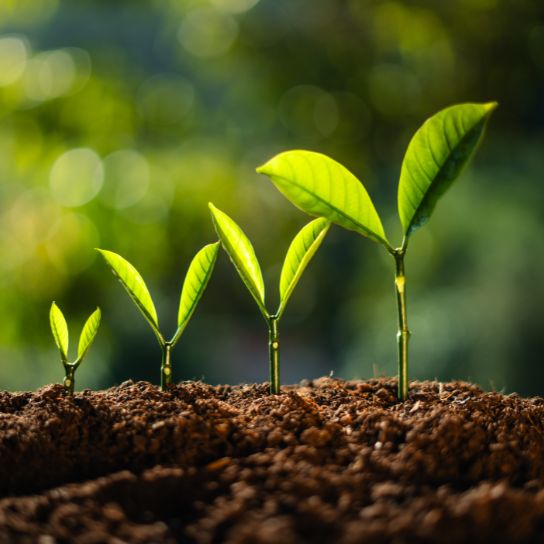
(195, 283)
(59, 328)
(435, 157)
(242, 255)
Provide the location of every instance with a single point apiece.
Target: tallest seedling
(435, 157)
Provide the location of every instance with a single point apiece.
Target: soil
(326, 461)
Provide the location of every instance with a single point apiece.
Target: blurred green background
(121, 120)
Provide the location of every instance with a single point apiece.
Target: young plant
(242, 255)
(59, 328)
(435, 157)
(195, 283)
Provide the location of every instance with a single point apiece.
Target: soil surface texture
(327, 461)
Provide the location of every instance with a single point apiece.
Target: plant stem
(166, 367)
(403, 333)
(68, 382)
(274, 355)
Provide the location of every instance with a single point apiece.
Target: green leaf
(320, 186)
(134, 285)
(59, 329)
(196, 280)
(435, 157)
(88, 334)
(299, 254)
(241, 253)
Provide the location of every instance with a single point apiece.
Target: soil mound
(326, 461)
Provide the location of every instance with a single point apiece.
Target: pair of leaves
(435, 157)
(242, 255)
(196, 280)
(59, 329)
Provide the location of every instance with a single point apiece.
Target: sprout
(59, 329)
(242, 255)
(195, 283)
(435, 157)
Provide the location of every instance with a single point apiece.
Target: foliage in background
(120, 119)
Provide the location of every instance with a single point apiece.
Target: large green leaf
(88, 334)
(196, 280)
(134, 285)
(299, 254)
(435, 157)
(241, 253)
(59, 328)
(320, 186)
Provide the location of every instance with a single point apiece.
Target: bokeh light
(76, 177)
(126, 178)
(49, 75)
(206, 32)
(13, 58)
(234, 6)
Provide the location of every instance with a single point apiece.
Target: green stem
(166, 367)
(274, 355)
(68, 382)
(403, 333)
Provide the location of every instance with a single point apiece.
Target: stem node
(166, 367)
(68, 382)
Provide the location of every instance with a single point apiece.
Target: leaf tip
(269, 168)
(214, 210)
(491, 106)
(213, 248)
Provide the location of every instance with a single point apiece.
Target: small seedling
(435, 157)
(242, 255)
(59, 329)
(195, 283)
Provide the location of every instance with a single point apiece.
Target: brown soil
(325, 462)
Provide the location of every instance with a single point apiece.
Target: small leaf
(59, 329)
(435, 157)
(320, 186)
(196, 280)
(241, 253)
(299, 254)
(134, 285)
(88, 333)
